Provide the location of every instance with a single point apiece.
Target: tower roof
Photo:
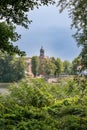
(42, 50)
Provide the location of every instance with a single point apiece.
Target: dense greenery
(59, 66)
(15, 10)
(34, 104)
(67, 67)
(83, 57)
(47, 67)
(35, 65)
(7, 36)
(51, 66)
(75, 64)
(12, 68)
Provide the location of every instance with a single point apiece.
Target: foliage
(42, 63)
(50, 67)
(67, 67)
(75, 64)
(7, 36)
(14, 12)
(11, 68)
(35, 65)
(83, 57)
(78, 12)
(34, 104)
(47, 67)
(53, 66)
(59, 66)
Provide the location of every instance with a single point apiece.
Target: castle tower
(41, 53)
(41, 58)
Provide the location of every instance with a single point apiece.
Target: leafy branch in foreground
(14, 12)
(78, 13)
(7, 36)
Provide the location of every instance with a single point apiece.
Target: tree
(14, 12)
(78, 12)
(75, 64)
(35, 65)
(49, 67)
(7, 36)
(19, 68)
(59, 66)
(83, 57)
(52, 59)
(67, 67)
(11, 68)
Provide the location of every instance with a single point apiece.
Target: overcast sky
(50, 30)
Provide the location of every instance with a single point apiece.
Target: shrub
(36, 105)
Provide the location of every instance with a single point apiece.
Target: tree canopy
(12, 68)
(35, 65)
(78, 13)
(7, 36)
(14, 12)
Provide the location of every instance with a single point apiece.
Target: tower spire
(41, 52)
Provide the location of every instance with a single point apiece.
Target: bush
(36, 105)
